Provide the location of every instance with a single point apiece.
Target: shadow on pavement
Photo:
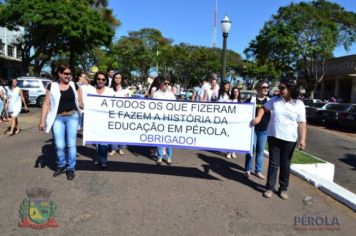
(229, 171)
(349, 159)
(87, 151)
(145, 168)
(48, 157)
(144, 151)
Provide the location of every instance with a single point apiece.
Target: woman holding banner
(235, 96)
(100, 83)
(61, 112)
(224, 92)
(165, 94)
(287, 119)
(260, 137)
(120, 90)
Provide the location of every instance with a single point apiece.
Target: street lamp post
(225, 25)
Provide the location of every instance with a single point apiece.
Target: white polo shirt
(167, 95)
(284, 118)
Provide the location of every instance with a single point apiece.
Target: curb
(329, 187)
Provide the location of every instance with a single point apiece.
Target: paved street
(337, 148)
(203, 193)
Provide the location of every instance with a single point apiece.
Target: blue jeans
(65, 139)
(168, 152)
(102, 153)
(115, 147)
(259, 144)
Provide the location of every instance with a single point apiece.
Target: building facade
(10, 54)
(339, 80)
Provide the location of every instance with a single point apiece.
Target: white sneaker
(228, 155)
(234, 155)
(121, 152)
(111, 153)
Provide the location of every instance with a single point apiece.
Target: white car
(36, 88)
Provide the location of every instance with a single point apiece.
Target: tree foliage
(54, 27)
(301, 36)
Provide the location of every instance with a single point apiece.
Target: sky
(191, 21)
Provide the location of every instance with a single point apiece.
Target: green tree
(301, 36)
(54, 27)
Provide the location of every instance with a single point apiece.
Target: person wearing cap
(287, 126)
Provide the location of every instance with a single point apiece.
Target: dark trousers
(280, 155)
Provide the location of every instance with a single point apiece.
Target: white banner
(147, 122)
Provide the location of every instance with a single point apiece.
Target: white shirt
(122, 93)
(224, 98)
(203, 88)
(212, 94)
(167, 95)
(284, 118)
(107, 91)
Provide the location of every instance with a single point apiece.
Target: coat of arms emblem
(37, 210)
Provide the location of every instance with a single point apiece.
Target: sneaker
(234, 155)
(96, 163)
(247, 174)
(104, 165)
(111, 153)
(228, 155)
(121, 152)
(169, 162)
(260, 175)
(159, 161)
(268, 193)
(59, 171)
(283, 195)
(70, 174)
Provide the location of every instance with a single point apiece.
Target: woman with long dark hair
(120, 90)
(61, 114)
(287, 126)
(224, 92)
(235, 96)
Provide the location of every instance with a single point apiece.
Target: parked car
(348, 117)
(312, 109)
(247, 94)
(26, 96)
(330, 115)
(309, 101)
(187, 94)
(36, 88)
(138, 94)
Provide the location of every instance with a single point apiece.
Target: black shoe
(59, 171)
(70, 174)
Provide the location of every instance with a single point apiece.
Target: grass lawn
(300, 157)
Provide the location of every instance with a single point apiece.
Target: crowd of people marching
(280, 120)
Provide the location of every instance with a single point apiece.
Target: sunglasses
(101, 79)
(264, 87)
(280, 87)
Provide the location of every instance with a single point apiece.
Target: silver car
(36, 88)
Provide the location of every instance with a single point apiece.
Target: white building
(10, 54)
